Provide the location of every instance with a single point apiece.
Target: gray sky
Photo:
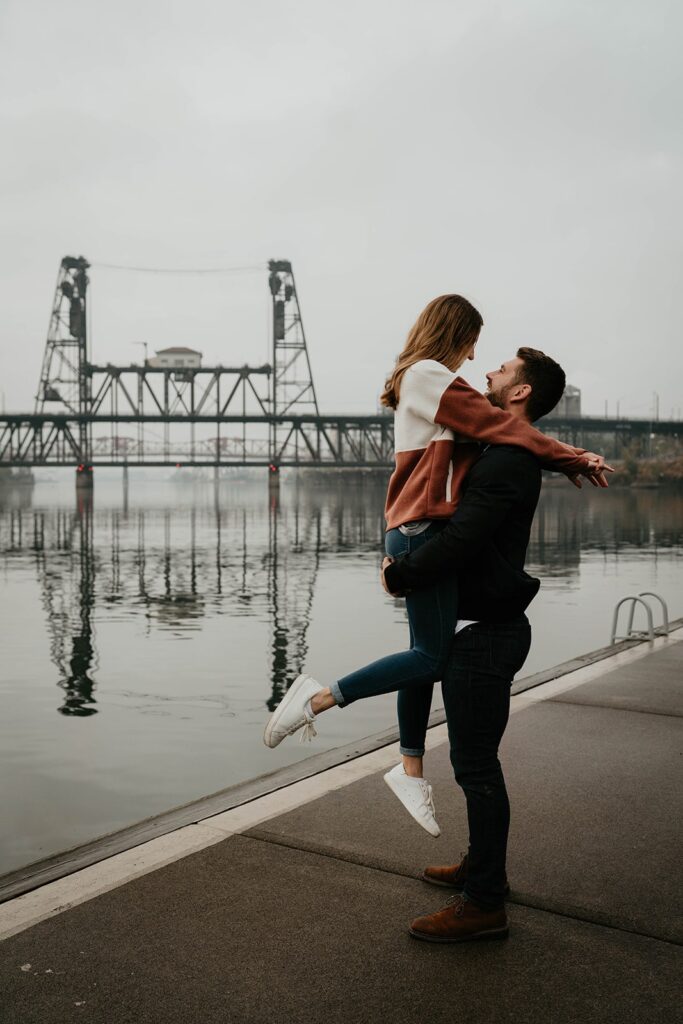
(526, 154)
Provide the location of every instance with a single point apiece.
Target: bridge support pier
(273, 479)
(85, 478)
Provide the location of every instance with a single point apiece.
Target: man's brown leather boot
(451, 876)
(461, 921)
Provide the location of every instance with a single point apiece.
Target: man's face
(502, 382)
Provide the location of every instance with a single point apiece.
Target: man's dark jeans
(476, 696)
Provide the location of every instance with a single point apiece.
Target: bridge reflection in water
(177, 565)
(232, 550)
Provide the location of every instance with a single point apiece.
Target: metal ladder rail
(651, 631)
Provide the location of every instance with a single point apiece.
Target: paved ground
(304, 917)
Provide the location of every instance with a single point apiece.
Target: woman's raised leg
(431, 614)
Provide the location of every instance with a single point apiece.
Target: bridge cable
(182, 270)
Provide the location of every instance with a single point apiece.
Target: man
(484, 545)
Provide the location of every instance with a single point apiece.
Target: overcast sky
(526, 154)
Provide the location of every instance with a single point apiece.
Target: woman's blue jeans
(432, 615)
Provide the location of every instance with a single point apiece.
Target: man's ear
(520, 393)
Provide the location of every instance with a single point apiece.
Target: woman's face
(470, 351)
(456, 363)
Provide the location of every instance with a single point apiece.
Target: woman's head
(446, 330)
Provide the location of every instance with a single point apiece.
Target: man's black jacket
(484, 544)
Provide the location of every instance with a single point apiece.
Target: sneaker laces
(429, 798)
(309, 730)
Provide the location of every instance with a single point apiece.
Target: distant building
(569, 406)
(176, 358)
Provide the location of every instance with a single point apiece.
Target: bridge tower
(292, 388)
(64, 378)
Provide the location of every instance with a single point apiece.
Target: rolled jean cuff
(338, 695)
(412, 751)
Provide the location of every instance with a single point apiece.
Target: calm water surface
(146, 637)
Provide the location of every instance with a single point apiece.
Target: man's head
(530, 385)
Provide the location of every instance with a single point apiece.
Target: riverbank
(646, 473)
(295, 905)
(635, 472)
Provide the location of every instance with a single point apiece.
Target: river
(147, 632)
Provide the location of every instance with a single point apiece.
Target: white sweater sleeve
(423, 386)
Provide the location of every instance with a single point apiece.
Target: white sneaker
(416, 797)
(291, 715)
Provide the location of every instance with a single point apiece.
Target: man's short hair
(546, 379)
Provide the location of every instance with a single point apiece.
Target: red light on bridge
(178, 465)
(272, 468)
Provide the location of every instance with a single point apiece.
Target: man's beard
(498, 398)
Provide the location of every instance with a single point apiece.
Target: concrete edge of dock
(49, 887)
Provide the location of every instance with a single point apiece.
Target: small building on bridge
(569, 406)
(178, 357)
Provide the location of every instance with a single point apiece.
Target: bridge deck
(249, 438)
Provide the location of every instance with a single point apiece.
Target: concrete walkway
(302, 915)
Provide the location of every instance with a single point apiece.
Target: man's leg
(476, 691)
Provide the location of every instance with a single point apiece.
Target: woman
(438, 416)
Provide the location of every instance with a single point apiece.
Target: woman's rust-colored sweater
(438, 419)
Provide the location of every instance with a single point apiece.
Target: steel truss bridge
(149, 415)
(313, 441)
(146, 415)
(343, 441)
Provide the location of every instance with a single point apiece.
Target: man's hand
(385, 562)
(595, 471)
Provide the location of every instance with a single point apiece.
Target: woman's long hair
(445, 330)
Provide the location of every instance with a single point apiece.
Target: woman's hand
(595, 471)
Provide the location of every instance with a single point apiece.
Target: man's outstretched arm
(499, 480)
